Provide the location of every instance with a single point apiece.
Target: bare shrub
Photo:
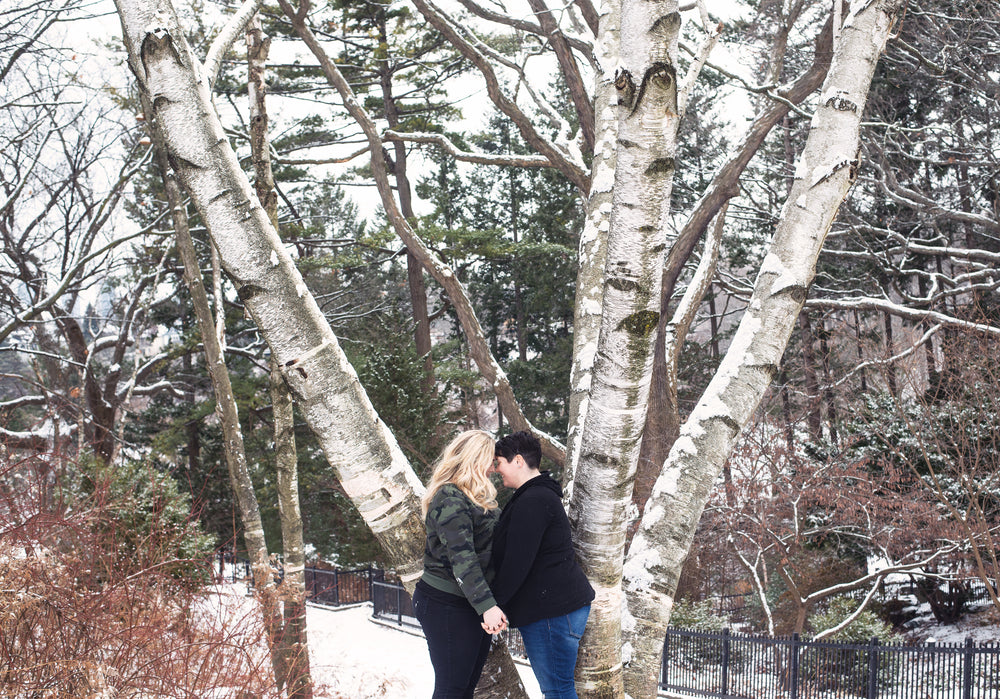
(92, 609)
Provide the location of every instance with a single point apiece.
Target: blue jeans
(457, 644)
(551, 645)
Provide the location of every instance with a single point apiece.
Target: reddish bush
(76, 620)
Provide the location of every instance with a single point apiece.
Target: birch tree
(825, 170)
(368, 462)
(618, 305)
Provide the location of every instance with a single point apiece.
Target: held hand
(494, 620)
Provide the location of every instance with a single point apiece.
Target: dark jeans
(457, 643)
(552, 645)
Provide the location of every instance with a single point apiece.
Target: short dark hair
(523, 443)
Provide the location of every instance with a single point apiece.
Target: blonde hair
(466, 462)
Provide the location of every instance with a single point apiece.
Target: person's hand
(494, 620)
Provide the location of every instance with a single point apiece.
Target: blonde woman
(452, 600)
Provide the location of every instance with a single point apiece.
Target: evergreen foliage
(513, 234)
(697, 615)
(145, 521)
(867, 625)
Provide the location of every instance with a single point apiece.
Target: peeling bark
(646, 86)
(663, 419)
(592, 254)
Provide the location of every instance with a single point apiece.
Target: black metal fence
(392, 603)
(335, 588)
(738, 666)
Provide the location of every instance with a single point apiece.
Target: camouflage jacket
(459, 541)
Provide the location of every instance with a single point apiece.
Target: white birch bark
(367, 460)
(647, 126)
(823, 176)
(592, 253)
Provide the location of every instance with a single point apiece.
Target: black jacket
(537, 576)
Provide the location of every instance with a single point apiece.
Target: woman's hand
(494, 620)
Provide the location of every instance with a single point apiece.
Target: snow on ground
(361, 658)
(981, 624)
(357, 657)
(353, 656)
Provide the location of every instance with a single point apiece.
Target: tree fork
(708, 437)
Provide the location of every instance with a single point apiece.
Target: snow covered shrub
(848, 665)
(696, 616)
(866, 626)
(698, 651)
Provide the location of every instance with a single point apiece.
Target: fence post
(399, 605)
(725, 662)
(873, 668)
(967, 669)
(664, 659)
(793, 671)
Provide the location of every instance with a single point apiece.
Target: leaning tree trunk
(225, 405)
(366, 458)
(647, 127)
(825, 171)
(663, 416)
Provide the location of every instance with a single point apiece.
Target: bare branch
(575, 172)
(227, 36)
(467, 156)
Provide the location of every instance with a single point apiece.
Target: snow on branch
(891, 187)
(890, 361)
(467, 156)
(873, 578)
(917, 314)
(227, 37)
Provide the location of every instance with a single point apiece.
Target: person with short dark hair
(452, 601)
(538, 582)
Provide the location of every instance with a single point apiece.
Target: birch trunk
(366, 458)
(823, 176)
(663, 417)
(292, 638)
(593, 251)
(646, 87)
(225, 406)
(293, 646)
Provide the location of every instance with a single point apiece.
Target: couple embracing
(485, 570)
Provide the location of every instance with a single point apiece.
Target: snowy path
(357, 658)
